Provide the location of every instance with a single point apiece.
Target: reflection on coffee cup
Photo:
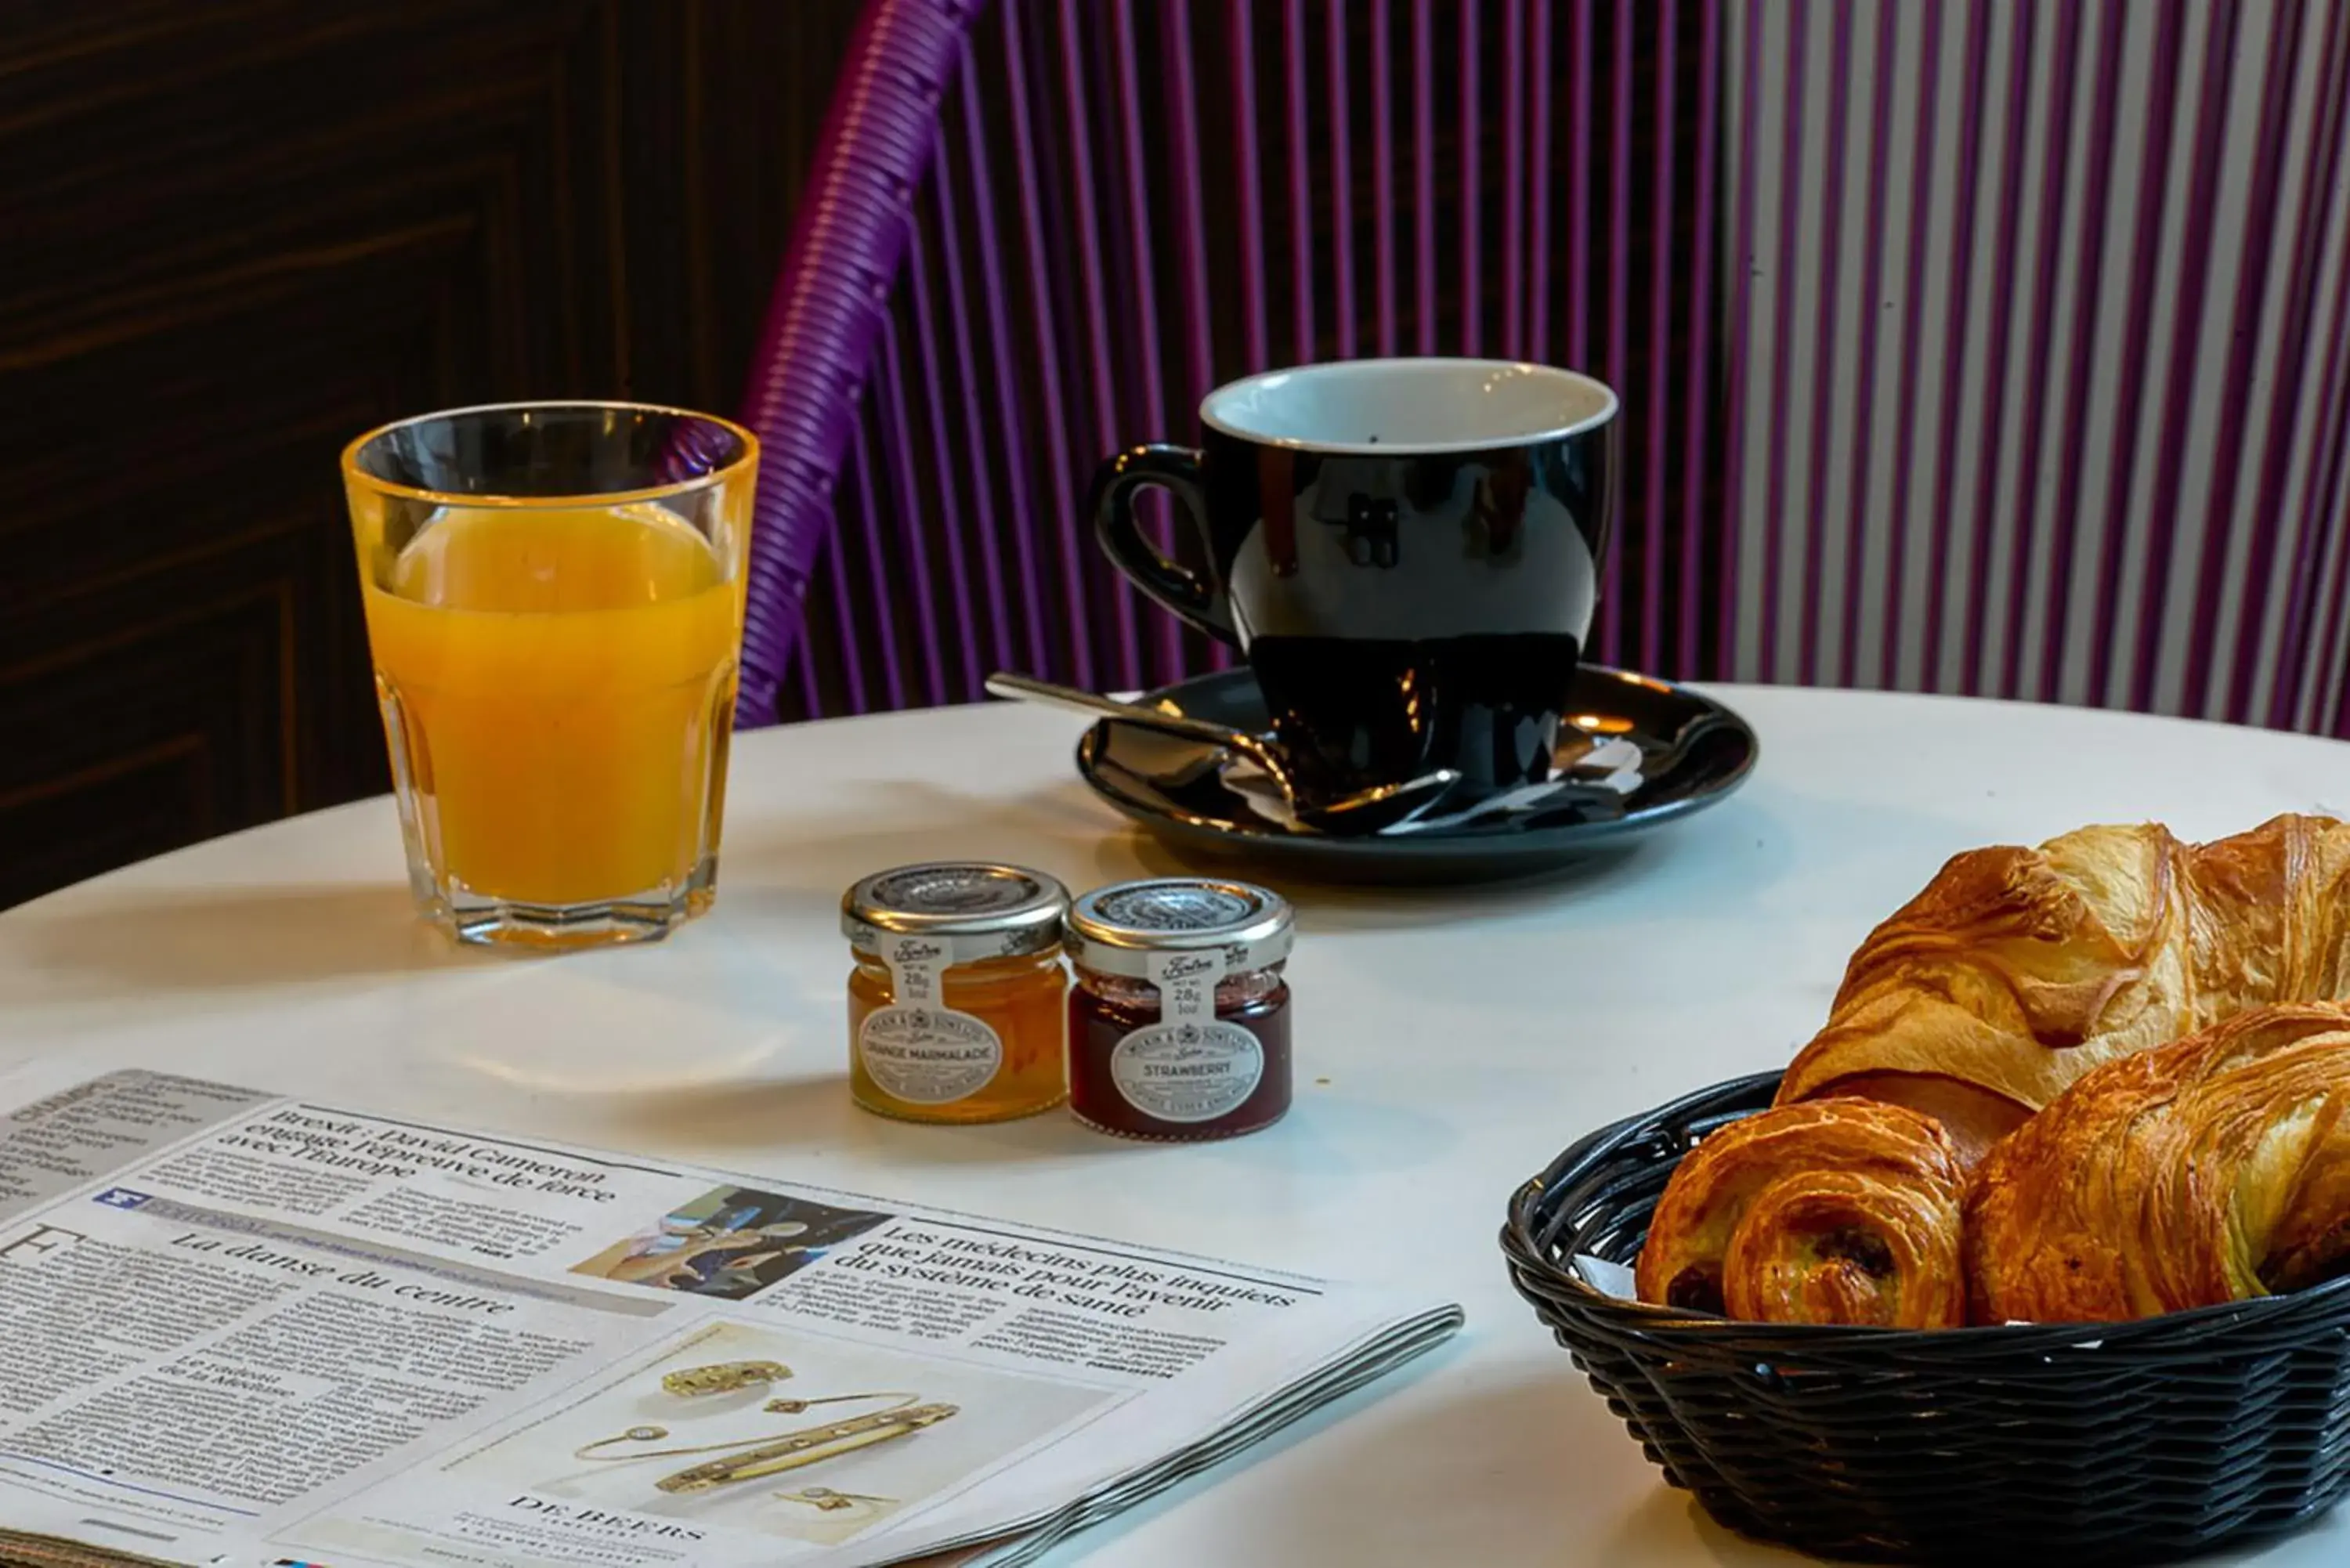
(1407, 550)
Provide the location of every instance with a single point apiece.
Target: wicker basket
(2123, 1443)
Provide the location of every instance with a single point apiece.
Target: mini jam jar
(1179, 1021)
(956, 1009)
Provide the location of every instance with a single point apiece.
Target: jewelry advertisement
(788, 1434)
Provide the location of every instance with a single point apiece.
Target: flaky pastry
(1841, 1212)
(2208, 1171)
(2016, 974)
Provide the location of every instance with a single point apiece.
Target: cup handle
(1190, 596)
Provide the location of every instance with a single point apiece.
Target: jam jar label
(918, 1049)
(1187, 1066)
(928, 1055)
(1186, 1070)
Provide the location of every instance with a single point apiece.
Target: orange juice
(558, 685)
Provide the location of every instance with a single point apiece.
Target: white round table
(1449, 1043)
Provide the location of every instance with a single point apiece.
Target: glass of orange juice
(554, 606)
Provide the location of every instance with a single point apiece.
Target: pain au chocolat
(1839, 1211)
(2014, 975)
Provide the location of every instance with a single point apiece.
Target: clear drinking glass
(555, 606)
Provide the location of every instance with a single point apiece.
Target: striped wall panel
(2038, 383)
(1967, 346)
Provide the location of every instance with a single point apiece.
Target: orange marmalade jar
(956, 1007)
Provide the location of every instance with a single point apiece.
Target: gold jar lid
(1115, 929)
(972, 908)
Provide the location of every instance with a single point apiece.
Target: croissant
(2014, 974)
(2017, 971)
(1841, 1212)
(2208, 1171)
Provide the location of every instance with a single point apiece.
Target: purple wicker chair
(1878, 431)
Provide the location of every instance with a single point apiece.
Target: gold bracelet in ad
(700, 1382)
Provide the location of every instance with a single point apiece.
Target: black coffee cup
(1407, 550)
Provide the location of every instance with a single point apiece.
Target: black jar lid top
(1115, 929)
(981, 909)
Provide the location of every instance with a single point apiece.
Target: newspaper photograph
(245, 1328)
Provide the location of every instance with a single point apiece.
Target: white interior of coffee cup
(1362, 407)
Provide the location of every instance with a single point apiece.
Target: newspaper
(239, 1328)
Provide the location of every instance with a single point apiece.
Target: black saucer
(1685, 752)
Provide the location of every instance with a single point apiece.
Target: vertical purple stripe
(2334, 515)
(1138, 191)
(2279, 81)
(1912, 358)
(1167, 632)
(1472, 272)
(947, 521)
(2293, 656)
(844, 616)
(1743, 264)
(1242, 33)
(2331, 510)
(2323, 661)
(1342, 176)
(877, 568)
(1823, 401)
(1514, 178)
(1661, 315)
(1538, 302)
(1191, 235)
(1700, 286)
(1301, 178)
(2154, 197)
(2018, 116)
(1784, 265)
(2285, 421)
(2055, 179)
(1090, 275)
(1383, 170)
(2186, 314)
(1619, 203)
(897, 436)
(2320, 663)
(804, 654)
(1423, 126)
(1620, 309)
(2327, 511)
(2080, 349)
(1955, 340)
(1175, 19)
(1857, 516)
(982, 457)
(1578, 192)
(2335, 724)
(1000, 354)
(2298, 650)
(1042, 307)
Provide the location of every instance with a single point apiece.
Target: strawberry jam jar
(1179, 1021)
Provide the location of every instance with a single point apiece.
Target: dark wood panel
(176, 725)
(239, 234)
